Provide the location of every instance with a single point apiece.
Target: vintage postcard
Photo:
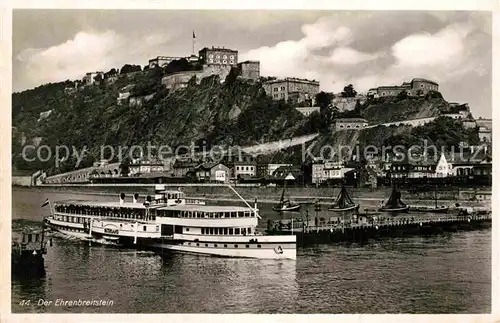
(264, 161)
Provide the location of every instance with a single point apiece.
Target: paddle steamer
(173, 222)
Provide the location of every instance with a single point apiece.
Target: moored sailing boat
(285, 204)
(344, 202)
(394, 204)
(430, 209)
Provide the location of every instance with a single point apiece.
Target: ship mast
(254, 210)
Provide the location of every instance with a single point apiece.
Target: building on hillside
(472, 161)
(293, 90)
(417, 87)
(141, 167)
(181, 168)
(326, 171)
(181, 80)
(244, 169)
(469, 123)
(90, 78)
(466, 163)
(162, 61)
(350, 123)
(289, 174)
(218, 55)
(484, 134)
(487, 123)
(249, 70)
(240, 163)
(307, 111)
(212, 172)
(267, 169)
(124, 93)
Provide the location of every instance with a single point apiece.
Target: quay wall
(273, 194)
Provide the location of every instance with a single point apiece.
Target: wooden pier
(360, 227)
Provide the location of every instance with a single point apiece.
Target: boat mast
(435, 197)
(254, 210)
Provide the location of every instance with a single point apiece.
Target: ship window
(206, 244)
(216, 230)
(237, 231)
(249, 230)
(144, 228)
(236, 246)
(244, 231)
(247, 246)
(215, 245)
(202, 230)
(240, 214)
(247, 214)
(211, 230)
(187, 229)
(29, 237)
(230, 230)
(225, 246)
(225, 231)
(189, 243)
(233, 214)
(259, 246)
(197, 244)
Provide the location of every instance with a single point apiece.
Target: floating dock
(362, 227)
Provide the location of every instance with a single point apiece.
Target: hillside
(394, 109)
(234, 112)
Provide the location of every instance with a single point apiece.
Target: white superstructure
(172, 221)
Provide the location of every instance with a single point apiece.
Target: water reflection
(203, 283)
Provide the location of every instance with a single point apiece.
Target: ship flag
(45, 203)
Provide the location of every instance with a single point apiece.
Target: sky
(363, 48)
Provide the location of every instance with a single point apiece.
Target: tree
(127, 68)
(124, 167)
(434, 95)
(349, 91)
(402, 95)
(357, 107)
(324, 99)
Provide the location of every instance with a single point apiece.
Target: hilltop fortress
(416, 87)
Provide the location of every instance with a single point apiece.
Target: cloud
(346, 55)
(444, 47)
(85, 52)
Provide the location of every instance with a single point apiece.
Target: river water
(446, 273)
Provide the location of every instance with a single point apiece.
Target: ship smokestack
(136, 197)
(122, 198)
(159, 191)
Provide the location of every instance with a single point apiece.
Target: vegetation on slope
(234, 112)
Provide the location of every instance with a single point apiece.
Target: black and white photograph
(251, 161)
